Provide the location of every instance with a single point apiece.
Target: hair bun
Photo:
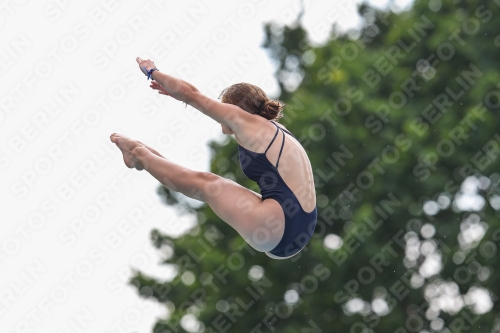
(253, 100)
(272, 109)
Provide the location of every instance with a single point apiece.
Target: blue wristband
(151, 72)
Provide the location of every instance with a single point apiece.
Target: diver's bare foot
(130, 149)
(151, 149)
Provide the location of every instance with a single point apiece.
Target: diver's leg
(260, 223)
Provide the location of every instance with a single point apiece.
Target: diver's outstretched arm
(227, 114)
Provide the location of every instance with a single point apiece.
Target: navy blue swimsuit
(299, 225)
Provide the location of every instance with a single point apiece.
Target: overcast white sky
(74, 219)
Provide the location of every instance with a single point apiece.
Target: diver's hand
(145, 65)
(156, 86)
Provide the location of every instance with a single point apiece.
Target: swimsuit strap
(272, 139)
(282, 144)
(283, 129)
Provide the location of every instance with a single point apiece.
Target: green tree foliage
(399, 122)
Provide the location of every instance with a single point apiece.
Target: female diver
(279, 221)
